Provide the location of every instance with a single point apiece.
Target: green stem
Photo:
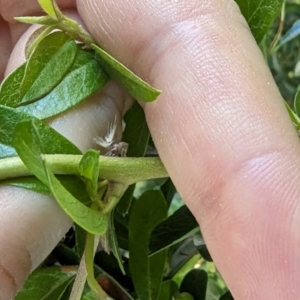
(114, 194)
(76, 31)
(79, 283)
(127, 170)
(73, 28)
(274, 44)
(92, 242)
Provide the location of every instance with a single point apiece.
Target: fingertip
(27, 233)
(5, 46)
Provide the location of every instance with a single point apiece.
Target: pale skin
(220, 127)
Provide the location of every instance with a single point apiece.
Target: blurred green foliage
(284, 61)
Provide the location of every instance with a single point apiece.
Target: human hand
(220, 127)
(32, 224)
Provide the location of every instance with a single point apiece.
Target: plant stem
(127, 170)
(274, 44)
(79, 282)
(114, 194)
(76, 31)
(92, 242)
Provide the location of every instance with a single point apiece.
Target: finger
(221, 129)
(5, 46)
(32, 224)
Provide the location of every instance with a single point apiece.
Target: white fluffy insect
(113, 147)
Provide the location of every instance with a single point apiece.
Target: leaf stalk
(126, 170)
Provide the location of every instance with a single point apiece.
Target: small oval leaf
(174, 229)
(48, 7)
(72, 183)
(52, 141)
(47, 66)
(259, 14)
(91, 220)
(201, 246)
(28, 144)
(136, 132)
(46, 284)
(136, 135)
(146, 272)
(89, 170)
(10, 87)
(84, 78)
(134, 85)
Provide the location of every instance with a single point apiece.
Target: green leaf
(121, 230)
(47, 66)
(72, 183)
(91, 220)
(48, 7)
(169, 190)
(90, 295)
(85, 77)
(136, 132)
(125, 202)
(10, 87)
(201, 246)
(28, 144)
(146, 272)
(176, 228)
(167, 290)
(185, 296)
(109, 265)
(204, 252)
(46, 284)
(89, 170)
(28, 183)
(35, 38)
(259, 14)
(195, 283)
(43, 20)
(183, 263)
(65, 255)
(134, 85)
(52, 141)
(295, 119)
(226, 296)
(80, 239)
(76, 187)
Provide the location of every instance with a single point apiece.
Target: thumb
(221, 129)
